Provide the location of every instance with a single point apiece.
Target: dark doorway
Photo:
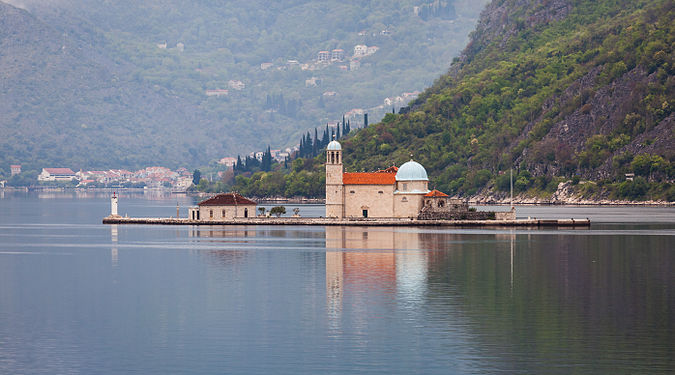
(245, 212)
(365, 213)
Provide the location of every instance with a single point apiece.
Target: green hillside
(557, 90)
(124, 84)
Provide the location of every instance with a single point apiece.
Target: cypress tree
(324, 140)
(315, 149)
(237, 165)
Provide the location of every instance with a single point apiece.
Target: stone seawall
(355, 222)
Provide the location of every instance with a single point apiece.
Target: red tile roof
(67, 171)
(226, 199)
(369, 178)
(435, 193)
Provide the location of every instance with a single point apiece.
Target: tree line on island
(300, 175)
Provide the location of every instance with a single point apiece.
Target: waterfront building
(401, 192)
(388, 193)
(56, 174)
(224, 206)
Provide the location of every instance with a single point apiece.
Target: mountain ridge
(129, 75)
(558, 89)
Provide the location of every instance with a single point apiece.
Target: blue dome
(334, 146)
(412, 171)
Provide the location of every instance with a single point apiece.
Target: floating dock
(355, 222)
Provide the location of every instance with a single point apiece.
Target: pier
(395, 222)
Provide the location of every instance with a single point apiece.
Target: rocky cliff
(556, 90)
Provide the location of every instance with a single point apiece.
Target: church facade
(389, 193)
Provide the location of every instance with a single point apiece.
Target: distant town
(150, 177)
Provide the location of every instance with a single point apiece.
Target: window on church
(404, 199)
(211, 214)
(441, 203)
(352, 192)
(223, 212)
(405, 187)
(380, 192)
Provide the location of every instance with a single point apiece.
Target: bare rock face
(596, 110)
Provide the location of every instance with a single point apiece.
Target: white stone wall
(412, 186)
(207, 213)
(506, 215)
(377, 199)
(408, 204)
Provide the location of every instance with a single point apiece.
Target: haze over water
(77, 296)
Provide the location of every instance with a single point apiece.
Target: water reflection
(571, 295)
(233, 233)
(113, 252)
(367, 261)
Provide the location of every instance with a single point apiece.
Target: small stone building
(226, 206)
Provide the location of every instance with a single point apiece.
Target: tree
(278, 210)
(196, 176)
(296, 211)
(266, 163)
(262, 211)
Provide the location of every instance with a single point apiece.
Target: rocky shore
(563, 196)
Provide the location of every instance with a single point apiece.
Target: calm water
(79, 297)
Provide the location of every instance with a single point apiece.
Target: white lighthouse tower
(113, 205)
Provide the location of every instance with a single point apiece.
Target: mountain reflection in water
(77, 296)
(563, 297)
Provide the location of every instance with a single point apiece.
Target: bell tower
(334, 185)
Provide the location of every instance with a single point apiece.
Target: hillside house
(15, 169)
(323, 57)
(236, 84)
(337, 55)
(217, 92)
(360, 50)
(228, 161)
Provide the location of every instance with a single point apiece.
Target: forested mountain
(557, 90)
(126, 84)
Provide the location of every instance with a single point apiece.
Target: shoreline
(568, 223)
(481, 200)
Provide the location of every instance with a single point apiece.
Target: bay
(80, 297)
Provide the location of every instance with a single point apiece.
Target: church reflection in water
(369, 262)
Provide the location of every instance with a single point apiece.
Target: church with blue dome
(401, 192)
